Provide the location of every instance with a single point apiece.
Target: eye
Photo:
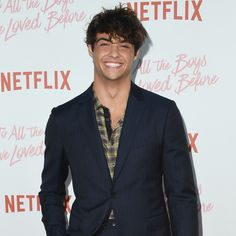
(104, 44)
(125, 45)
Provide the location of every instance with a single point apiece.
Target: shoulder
(161, 108)
(70, 107)
(155, 101)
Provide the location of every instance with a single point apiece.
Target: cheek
(96, 59)
(129, 57)
(130, 61)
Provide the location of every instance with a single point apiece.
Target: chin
(113, 79)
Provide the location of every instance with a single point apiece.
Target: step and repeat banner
(44, 62)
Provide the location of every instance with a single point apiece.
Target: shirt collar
(97, 103)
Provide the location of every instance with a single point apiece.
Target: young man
(125, 147)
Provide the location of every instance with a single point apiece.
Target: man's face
(112, 58)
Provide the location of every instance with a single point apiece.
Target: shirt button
(113, 224)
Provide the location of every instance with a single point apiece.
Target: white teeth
(112, 64)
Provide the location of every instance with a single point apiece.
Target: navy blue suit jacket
(153, 155)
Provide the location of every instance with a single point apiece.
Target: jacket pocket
(158, 223)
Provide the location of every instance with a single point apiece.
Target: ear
(90, 50)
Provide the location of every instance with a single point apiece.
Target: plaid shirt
(110, 137)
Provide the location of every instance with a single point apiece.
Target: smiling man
(126, 148)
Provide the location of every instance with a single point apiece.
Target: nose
(114, 50)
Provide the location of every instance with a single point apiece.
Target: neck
(112, 94)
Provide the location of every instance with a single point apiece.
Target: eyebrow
(109, 40)
(105, 39)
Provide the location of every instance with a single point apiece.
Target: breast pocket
(144, 145)
(146, 158)
(146, 140)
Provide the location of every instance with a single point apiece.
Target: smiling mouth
(113, 64)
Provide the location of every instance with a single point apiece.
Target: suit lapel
(90, 128)
(134, 110)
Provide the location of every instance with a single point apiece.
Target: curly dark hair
(118, 22)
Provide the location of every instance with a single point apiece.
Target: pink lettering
(49, 4)
(23, 152)
(196, 81)
(16, 26)
(157, 85)
(54, 19)
(183, 62)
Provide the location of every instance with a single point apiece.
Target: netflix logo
(15, 81)
(167, 10)
(21, 203)
(192, 137)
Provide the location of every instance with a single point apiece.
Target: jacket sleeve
(178, 177)
(54, 174)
